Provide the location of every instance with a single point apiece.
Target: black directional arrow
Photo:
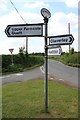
(7, 31)
(71, 39)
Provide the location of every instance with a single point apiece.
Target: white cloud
(36, 4)
(71, 3)
(11, 18)
(3, 5)
(58, 24)
(31, 17)
(8, 43)
(14, 18)
(36, 44)
(30, 1)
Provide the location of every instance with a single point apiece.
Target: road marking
(5, 76)
(61, 79)
(51, 78)
(19, 74)
(42, 69)
(2, 77)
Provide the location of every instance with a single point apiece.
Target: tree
(21, 50)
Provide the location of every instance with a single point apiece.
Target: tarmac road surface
(22, 76)
(57, 70)
(69, 75)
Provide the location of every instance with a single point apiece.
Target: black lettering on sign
(16, 29)
(32, 28)
(53, 51)
(26, 28)
(52, 40)
(16, 33)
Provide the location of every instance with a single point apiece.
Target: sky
(62, 13)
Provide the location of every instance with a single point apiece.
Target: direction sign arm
(61, 40)
(7, 31)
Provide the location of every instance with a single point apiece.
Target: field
(26, 100)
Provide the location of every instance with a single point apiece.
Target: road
(57, 70)
(23, 76)
(64, 73)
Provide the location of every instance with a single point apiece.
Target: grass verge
(0, 101)
(26, 100)
(69, 59)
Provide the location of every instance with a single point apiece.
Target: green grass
(69, 59)
(26, 100)
(0, 101)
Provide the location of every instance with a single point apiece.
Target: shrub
(72, 58)
(12, 68)
(21, 61)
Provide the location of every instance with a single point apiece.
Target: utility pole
(26, 45)
(69, 33)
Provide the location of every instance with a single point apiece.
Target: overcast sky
(62, 13)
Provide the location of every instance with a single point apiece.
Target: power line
(17, 11)
(24, 21)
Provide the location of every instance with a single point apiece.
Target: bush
(12, 68)
(6, 60)
(72, 58)
(21, 62)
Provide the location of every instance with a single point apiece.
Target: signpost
(53, 46)
(46, 14)
(11, 51)
(61, 40)
(24, 30)
(54, 51)
(35, 30)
